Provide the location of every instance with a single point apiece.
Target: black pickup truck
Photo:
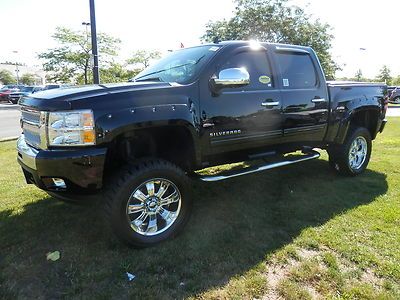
(140, 143)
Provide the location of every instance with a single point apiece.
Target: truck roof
(245, 43)
(354, 83)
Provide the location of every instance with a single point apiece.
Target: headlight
(72, 128)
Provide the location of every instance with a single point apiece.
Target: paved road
(393, 111)
(9, 120)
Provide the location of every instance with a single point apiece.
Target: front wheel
(352, 157)
(149, 203)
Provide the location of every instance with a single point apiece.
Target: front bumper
(81, 169)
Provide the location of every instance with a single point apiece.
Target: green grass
(299, 232)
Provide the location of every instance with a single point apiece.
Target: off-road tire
(339, 155)
(127, 181)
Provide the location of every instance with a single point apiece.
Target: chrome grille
(30, 116)
(33, 128)
(14, 96)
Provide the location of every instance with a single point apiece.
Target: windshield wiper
(150, 79)
(163, 70)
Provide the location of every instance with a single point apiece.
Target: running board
(311, 154)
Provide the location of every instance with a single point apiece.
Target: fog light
(58, 182)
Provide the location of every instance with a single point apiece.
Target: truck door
(243, 117)
(304, 94)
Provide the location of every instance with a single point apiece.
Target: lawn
(298, 232)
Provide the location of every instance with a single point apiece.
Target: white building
(40, 75)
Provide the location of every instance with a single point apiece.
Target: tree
(396, 80)
(6, 77)
(143, 58)
(28, 79)
(116, 73)
(71, 60)
(7, 62)
(275, 21)
(384, 75)
(359, 75)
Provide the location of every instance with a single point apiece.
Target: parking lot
(9, 119)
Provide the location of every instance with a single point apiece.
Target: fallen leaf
(53, 256)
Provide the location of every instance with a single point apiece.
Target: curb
(10, 138)
(9, 106)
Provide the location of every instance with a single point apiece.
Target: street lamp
(16, 66)
(361, 50)
(86, 24)
(96, 77)
(87, 47)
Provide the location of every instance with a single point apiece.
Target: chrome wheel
(153, 207)
(358, 152)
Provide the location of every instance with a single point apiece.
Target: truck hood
(63, 98)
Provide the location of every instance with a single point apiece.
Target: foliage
(275, 21)
(384, 75)
(6, 77)
(396, 80)
(71, 60)
(116, 73)
(28, 79)
(359, 76)
(7, 62)
(143, 58)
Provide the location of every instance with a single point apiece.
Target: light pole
(88, 61)
(361, 51)
(96, 77)
(86, 24)
(16, 66)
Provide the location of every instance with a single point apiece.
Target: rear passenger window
(297, 70)
(256, 63)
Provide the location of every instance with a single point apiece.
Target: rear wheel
(149, 203)
(352, 157)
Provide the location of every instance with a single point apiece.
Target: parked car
(14, 97)
(394, 94)
(54, 86)
(7, 89)
(138, 144)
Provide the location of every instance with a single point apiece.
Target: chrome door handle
(318, 100)
(276, 103)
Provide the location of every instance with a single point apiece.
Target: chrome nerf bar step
(309, 155)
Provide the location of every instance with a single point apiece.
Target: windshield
(27, 89)
(181, 66)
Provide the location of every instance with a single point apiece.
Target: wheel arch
(367, 117)
(176, 143)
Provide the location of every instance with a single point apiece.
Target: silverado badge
(228, 132)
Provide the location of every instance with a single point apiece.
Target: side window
(297, 70)
(256, 63)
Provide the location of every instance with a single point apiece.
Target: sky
(162, 25)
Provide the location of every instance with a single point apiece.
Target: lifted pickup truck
(140, 142)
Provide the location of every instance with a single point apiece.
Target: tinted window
(256, 63)
(297, 70)
(27, 89)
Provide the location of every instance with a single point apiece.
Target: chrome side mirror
(232, 77)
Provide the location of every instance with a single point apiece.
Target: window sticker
(264, 79)
(213, 48)
(285, 82)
